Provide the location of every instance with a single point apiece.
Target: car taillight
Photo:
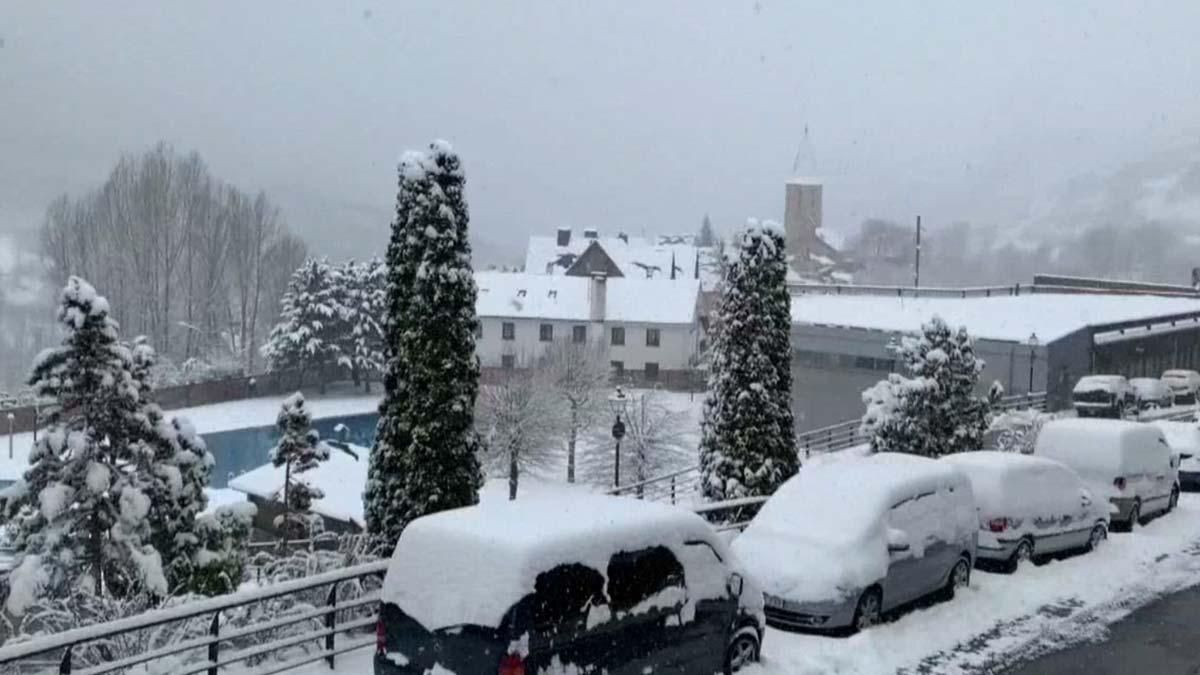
(1119, 483)
(512, 664)
(380, 637)
(998, 524)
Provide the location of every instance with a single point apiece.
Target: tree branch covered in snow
(578, 374)
(517, 419)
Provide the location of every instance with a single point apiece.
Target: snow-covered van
(843, 542)
(1152, 392)
(1129, 463)
(1030, 506)
(1184, 384)
(1184, 439)
(581, 584)
(1103, 396)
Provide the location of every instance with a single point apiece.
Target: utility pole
(917, 269)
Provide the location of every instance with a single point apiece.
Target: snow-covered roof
(543, 296)
(341, 478)
(1101, 450)
(491, 555)
(1010, 484)
(1183, 437)
(1014, 318)
(636, 257)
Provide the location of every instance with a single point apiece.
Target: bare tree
(658, 440)
(516, 419)
(578, 373)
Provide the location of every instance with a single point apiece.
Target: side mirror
(897, 541)
(735, 584)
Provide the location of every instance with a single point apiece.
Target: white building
(649, 328)
(662, 257)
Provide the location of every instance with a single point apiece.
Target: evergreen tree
(81, 514)
(707, 236)
(933, 410)
(306, 337)
(747, 443)
(425, 453)
(299, 449)
(363, 305)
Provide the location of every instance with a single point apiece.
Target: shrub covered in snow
(424, 457)
(747, 444)
(933, 409)
(299, 449)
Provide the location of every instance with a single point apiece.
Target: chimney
(597, 298)
(564, 236)
(591, 233)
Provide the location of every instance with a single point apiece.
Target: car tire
(1023, 553)
(1099, 534)
(742, 651)
(869, 610)
(960, 577)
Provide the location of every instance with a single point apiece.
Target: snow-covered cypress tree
(747, 442)
(81, 511)
(424, 458)
(306, 336)
(299, 449)
(933, 410)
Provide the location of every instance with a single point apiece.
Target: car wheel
(1099, 534)
(960, 577)
(869, 610)
(1023, 554)
(742, 652)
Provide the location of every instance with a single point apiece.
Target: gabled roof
(634, 256)
(562, 298)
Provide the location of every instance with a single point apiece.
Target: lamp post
(11, 421)
(1033, 345)
(617, 403)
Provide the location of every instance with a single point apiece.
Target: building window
(546, 332)
(618, 368)
(508, 330)
(651, 371)
(579, 334)
(617, 337)
(508, 361)
(652, 337)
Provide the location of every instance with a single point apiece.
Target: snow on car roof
(1015, 485)
(544, 296)
(1101, 449)
(1013, 318)
(1183, 437)
(469, 566)
(1098, 383)
(341, 478)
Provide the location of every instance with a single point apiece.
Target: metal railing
(338, 616)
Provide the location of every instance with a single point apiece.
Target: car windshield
(285, 284)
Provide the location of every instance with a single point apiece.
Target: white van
(1128, 462)
(1030, 506)
(1184, 384)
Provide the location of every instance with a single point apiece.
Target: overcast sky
(619, 115)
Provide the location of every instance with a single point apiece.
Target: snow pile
(824, 533)
(471, 565)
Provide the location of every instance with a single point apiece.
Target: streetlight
(11, 421)
(1033, 345)
(617, 403)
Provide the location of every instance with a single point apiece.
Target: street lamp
(1033, 345)
(617, 403)
(11, 421)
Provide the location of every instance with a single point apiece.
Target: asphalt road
(1161, 638)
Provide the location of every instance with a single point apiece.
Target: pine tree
(363, 305)
(933, 410)
(299, 449)
(81, 512)
(747, 443)
(706, 237)
(425, 453)
(306, 336)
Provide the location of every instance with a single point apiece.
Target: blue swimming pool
(240, 450)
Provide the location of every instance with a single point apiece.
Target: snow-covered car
(1184, 384)
(1129, 463)
(840, 544)
(1184, 439)
(582, 584)
(1103, 396)
(1152, 392)
(1030, 506)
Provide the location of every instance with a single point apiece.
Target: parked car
(1103, 396)
(1129, 463)
(840, 544)
(1184, 439)
(1030, 507)
(1152, 393)
(590, 584)
(1184, 384)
